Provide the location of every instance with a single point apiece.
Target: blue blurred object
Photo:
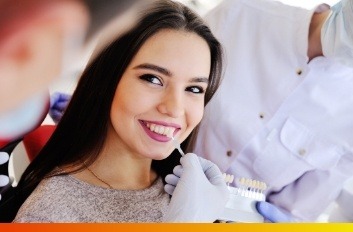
(272, 213)
(58, 104)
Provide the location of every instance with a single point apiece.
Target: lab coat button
(262, 115)
(302, 152)
(299, 71)
(229, 153)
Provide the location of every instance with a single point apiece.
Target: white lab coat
(276, 117)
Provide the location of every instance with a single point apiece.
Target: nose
(172, 104)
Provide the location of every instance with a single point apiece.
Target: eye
(152, 79)
(195, 89)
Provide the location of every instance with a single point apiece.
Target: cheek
(130, 101)
(195, 114)
(120, 107)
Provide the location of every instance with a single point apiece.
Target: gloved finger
(61, 105)
(57, 97)
(212, 172)
(4, 157)
(169, 189)
(190, 160)
(172, 179)
(4, 180)
(178, 170)
(55, 114)
(54, 98)
(63, 97)
(272, 213)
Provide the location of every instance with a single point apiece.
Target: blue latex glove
(272, 213)
(199, 192)
(58, 104)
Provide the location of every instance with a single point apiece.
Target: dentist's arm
(199, 192)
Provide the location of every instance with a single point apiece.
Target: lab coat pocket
(319, 152)
(294, 151)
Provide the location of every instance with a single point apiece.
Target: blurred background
(202, 6)
(68, 84)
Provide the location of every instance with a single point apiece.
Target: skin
(315, 46)
(175, 95)
(32, 45)
(41, 41)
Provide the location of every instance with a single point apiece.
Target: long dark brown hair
(82, 131)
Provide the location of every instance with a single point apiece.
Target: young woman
(108, 156)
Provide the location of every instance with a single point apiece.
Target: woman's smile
(159, 131)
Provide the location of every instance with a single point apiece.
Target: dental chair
(32, 143)
(32, 140)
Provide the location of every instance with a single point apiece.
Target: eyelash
(199, 89)
(151, 78)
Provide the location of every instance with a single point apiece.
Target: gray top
(67, 199)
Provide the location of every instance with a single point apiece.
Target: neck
(123, 172)
(315, 46)
(120, 168)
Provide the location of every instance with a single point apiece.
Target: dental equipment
(241, 204)
(177, 146)
(242, 199)
(175, 142)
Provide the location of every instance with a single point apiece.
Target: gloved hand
(199, 192)
(272, 213)
(58, 104)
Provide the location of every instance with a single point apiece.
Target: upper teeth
(163, 130)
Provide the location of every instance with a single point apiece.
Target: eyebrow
(154, 68)
(167, 72)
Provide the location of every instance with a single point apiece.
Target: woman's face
(162, 91)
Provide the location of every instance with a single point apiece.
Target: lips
(160, 131)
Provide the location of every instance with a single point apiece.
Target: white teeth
(163, 130)
(166, 131)
(170, 134)
(160, 130)
(152, 127)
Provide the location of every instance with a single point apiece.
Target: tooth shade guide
(228, 178)
(170, 134)
(246, 187)
(241, 204)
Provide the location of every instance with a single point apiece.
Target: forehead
(178, 51)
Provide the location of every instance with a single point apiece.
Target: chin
(160, 156)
